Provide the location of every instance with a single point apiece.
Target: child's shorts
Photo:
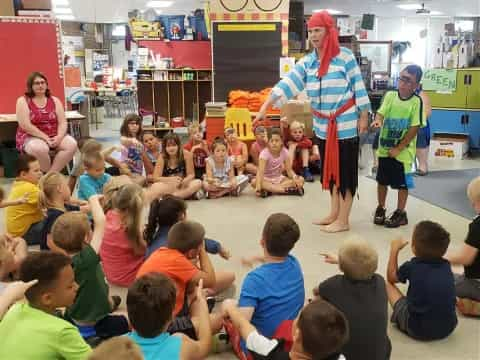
(401, 315)
(391, 172)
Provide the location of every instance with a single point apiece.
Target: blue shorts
(423, 137)
(391, 172)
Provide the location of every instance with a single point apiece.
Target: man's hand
(16, 290)
(224, 253)
(398, 244)
(376, 124)
(394, 152)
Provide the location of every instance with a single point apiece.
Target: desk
(76, 125)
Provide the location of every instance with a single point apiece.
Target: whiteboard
(379, 53)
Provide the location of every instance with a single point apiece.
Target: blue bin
(197, 23)
(174, 26)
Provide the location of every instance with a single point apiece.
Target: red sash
(331, 166)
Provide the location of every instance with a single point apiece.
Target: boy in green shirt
(400, 116)
(91, 310)
(31, 330)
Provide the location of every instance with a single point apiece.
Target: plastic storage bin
(197, 23)
(174, 26)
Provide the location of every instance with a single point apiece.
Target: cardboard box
(36, 5)
(299, 110)
(449, 146)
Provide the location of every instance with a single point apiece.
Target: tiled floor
(237, 223)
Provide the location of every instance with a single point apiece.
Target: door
(473, 128)
(457, 99)
(473, 89)
(448, 121)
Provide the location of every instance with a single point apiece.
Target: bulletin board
(246, 56)
(29, 44)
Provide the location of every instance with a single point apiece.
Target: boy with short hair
(92, 307)
(428, 310)
(25, 220)
(399, 117)
(319, 333)
(199, 149)
(361, 296)
(467, 285)
(94, 179)
(274, 291)
(150, 305)
(47, 336)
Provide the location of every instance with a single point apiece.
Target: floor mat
(446, 189)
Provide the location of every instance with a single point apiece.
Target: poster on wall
(286, 65)
(440, 80)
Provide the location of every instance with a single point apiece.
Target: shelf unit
(175, 92)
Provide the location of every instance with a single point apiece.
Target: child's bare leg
(188, 189)
(315, 152)
(157, 190)
(334, 209)
(304, 154)
(393, 293)
(138, 179)
(72, 182)
(223, 280)
(291, 153)
(240, 170)
(251, 168)
(216, 322)
(273, 188)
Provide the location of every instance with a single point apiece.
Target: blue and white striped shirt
(342, 81)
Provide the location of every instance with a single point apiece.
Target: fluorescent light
(65, 11)
(60, 2)
(409, 6)
(159, 4)
(330, 11)
(65, 17)
(158, 11)
(433, 13)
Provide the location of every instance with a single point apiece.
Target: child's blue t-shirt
(89, 186)
(430, 297)
(277, 293)
(164, 346)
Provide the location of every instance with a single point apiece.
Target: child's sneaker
(379, 218)
(264, 194)
(307, 175)
(294, 191)
(199, 195)
(241, 186)
(398, 218)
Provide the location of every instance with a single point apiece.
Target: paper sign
(286, 65)
(442, 80)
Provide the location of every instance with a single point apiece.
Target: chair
(241, 120)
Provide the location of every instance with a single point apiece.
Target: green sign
(443, 80)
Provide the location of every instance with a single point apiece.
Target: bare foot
(325, 221)
(335, 227)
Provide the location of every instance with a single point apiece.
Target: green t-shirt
(399, 116)
(92, 302)
(29, 333)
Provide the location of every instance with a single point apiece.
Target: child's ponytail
(49, 185)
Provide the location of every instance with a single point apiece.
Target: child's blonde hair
(117, 348)
(5, 253)
(297, 125)
(129, 199)
(49, 184)
(193, 128)
(473, 190)
(90, 159)
(111, 188)
(70, 231)
(357, 259)
(87, 145)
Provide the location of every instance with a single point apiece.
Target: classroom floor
(237, 223)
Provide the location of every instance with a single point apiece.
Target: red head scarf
(330, 46)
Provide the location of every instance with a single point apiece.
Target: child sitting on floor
(237, 150)
(274, 291)
(55, 199)
(199, 149)
(175, 167)
(220, 178)
(361, 296)
(256, 148)
(274, 159)
(123, 248)
(25, 220)
(467, 285)
(92, 182)
(93, 305)
(163, 215)
(132, 147)
(186, 248)
(45, 335)
(299, 147)
(153, 149)
(150, 305)
(319, 333)
(428, 310)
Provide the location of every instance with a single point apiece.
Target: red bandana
(330, 46)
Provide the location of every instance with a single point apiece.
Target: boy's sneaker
(398, 218)
(307, 175)
(379, 218)
(199, 195)
(294, 191)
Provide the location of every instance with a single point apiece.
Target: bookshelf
(175, 92)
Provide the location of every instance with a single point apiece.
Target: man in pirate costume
(340, 105)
